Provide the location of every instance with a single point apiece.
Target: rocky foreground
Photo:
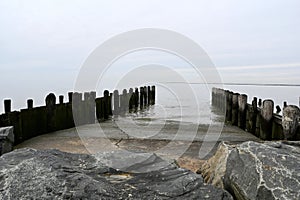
(52, 174)
(252, 170)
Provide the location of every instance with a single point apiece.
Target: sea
(191, 102)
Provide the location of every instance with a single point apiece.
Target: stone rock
(269, 170)
(52, 174)
(290, 121)
(6, 139)
(213, 170)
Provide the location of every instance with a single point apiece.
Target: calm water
(191, 102)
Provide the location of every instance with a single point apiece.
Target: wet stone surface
(52, 174)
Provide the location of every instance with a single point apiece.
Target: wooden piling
(145, 96)
(92, 107)
(141, 97)
(70, 96)
(50, 109)
(116, 102)
(252, 116)
(213, 96)
(242, 103)
(228, 115)
(105, 104)
(136, 99)
(153, 95)
(235, 109)
(218, 99)
(7, 105)
(109, 108)
(149, 95)
(278, 109)
(86, 96)
(131, 99)
(266, 120)
(259, 103)
(290, 121)
(223, 100)
(29, 103)
(61, 99)
(124, 101)
(80, 97)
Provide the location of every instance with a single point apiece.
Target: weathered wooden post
(7, 105)
(235, 109)
(149, 95)
(213, 96)
(145, 96)
(80, 97)
(278, 109)
(29, 103)
(228, 115)
(116, 102)
(266, 120)
(92, 104)
(131, 99)
(70, 96)
(61, 99)
(100, 108)
(242, 101)
(86, 108)
(82, 109)
(50, 109)
(153, 95)
(110, 97)
(252, 116)
(290, 121)
(124, 101)
(76, 108)
(259, 103)
(106, 104)
(136, 102)
(223, 100)
(70, 117)
(86, 96)
(218, 98)
(141, 97)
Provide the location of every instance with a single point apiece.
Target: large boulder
(52, 174)
(269, 170)
(213, 170)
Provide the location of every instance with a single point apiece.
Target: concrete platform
(170, 139)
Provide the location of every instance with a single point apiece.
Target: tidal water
(192, 102)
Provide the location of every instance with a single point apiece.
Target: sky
(43, 44)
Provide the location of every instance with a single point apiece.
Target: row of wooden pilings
(258, 117)
(80, 109)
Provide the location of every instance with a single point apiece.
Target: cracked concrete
(171, 140)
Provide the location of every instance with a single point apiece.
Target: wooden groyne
(258, 117)
(80, 109)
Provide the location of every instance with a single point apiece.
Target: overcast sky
(44, 43)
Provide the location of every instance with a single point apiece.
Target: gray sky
(44, 43)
